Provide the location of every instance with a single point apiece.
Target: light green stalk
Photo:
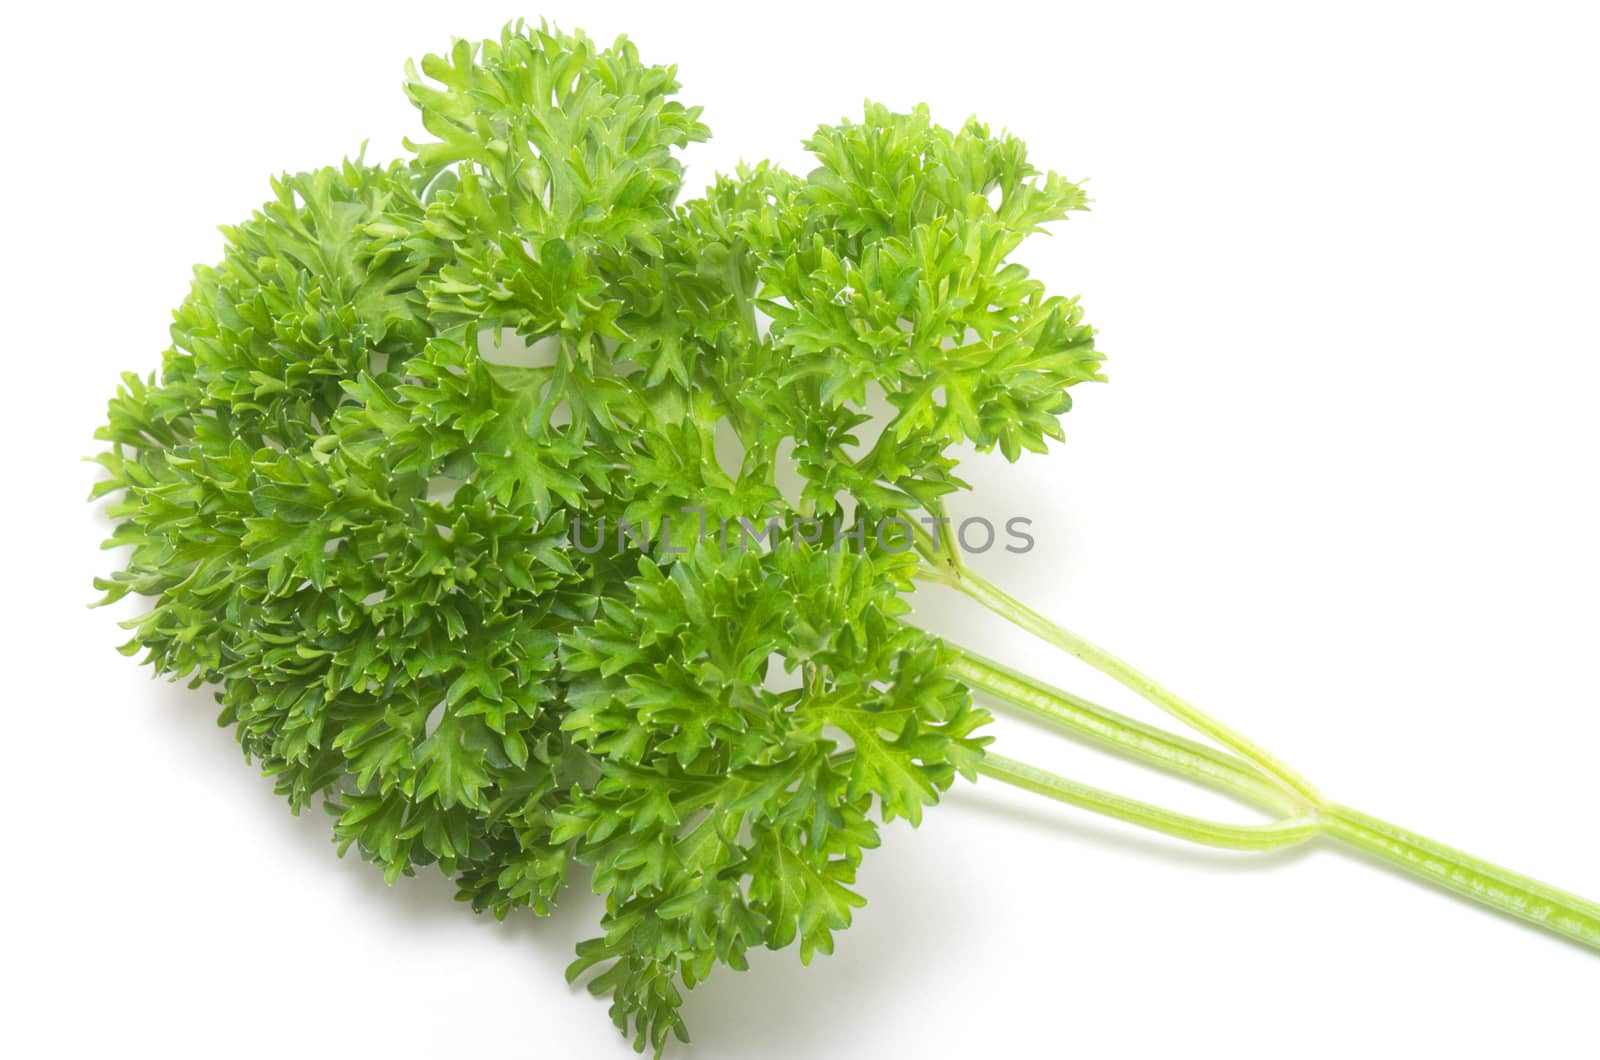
(1008, 607)
(1250, 773)
(1509, 892)
(1123, 735)
(1270, 836)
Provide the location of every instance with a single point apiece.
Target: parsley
(356, 525)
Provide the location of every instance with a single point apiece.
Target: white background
(1340, 491)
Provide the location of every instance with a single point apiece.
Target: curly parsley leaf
(355, 523)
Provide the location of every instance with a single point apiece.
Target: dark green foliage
(355, 527)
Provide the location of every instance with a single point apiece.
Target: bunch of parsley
(355, 524)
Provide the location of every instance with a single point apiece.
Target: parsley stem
(1123, 735)
(1497, 888)
(1269, 836)
(1002, 603)
(1500, 889)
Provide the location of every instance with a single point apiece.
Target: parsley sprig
(355, 525)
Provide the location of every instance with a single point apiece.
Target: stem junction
(1237, 767)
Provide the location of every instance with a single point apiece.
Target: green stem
(1014, 610)
(1274, 786)
(1488, 884)
(1500, 889)
(1194, 829)
(1123, 735)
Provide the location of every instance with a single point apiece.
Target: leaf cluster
(351, 517)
